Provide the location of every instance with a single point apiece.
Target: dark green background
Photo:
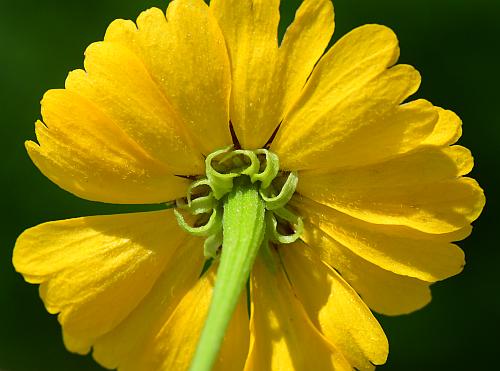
(454, 44)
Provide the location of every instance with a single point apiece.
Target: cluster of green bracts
(239, 208)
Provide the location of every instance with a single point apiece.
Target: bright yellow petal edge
(381, 190)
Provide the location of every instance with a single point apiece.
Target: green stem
(243, 232)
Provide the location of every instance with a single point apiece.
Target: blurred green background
(455, 45)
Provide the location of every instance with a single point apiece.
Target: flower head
(309, 170)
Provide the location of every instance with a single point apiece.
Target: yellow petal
(447, 131)
(282, 335)
(311, 138)
(350, 96)
(76, 344)
(428, 260)
(94, 271)
(401, 130)
(173, 346)
(185, 56)
(87, 154)
(306, 208)
(125, 344)
(383, 291)
(422, 190)
(116, 83)
(267, 79)
(335, 308)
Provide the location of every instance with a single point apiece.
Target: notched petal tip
(447, 130)
(462, 158)
(410, 76)
(75, 345)
(36, 152)
(118, 29)
(477, 193)
(18, 256)
(378, 34)
(30, 146)
(151, 16)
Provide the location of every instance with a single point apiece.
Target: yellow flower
(381, 193)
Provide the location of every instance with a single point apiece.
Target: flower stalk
(244, 229)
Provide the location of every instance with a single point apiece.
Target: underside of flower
(240, 208)
(208, 90)
(206, 196)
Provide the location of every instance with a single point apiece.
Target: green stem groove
(244, 228)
